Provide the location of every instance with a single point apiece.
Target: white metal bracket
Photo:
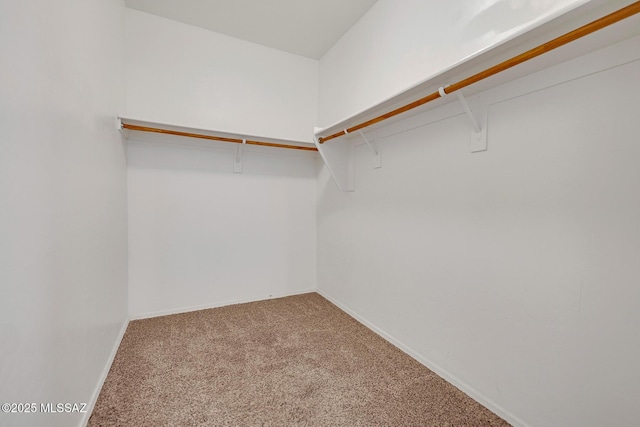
(377, 161)
(478, 140)
(237, 161)
(121, 129)
(339, 157)
(467, 110)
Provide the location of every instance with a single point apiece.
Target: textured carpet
(290, 361)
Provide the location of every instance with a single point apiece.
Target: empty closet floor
(298, 360)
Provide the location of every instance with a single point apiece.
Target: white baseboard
(96, 392)
(168, 312)
(466, 388)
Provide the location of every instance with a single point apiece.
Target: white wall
(63, 250)
(400, 43)
(188, 76)
(201, 236)
(513, 272)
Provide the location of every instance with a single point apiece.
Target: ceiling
(303, 27)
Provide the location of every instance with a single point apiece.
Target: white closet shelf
(589, 27)
(536, 38)
(136, 125)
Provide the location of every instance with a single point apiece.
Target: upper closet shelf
(553, 42)
(589, 27)
(134, 125)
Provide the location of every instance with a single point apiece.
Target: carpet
(298, 361)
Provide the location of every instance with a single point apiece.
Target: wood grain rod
(214, 138)
(587, 29)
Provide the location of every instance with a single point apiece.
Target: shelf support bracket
(121, 129)
(467, 110)
(377, 161)
(237, 161)
(478, 140)
(340, 161)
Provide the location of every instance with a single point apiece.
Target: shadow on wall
(163, 152)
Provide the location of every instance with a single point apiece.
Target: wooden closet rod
(589, 28)
(214, 138)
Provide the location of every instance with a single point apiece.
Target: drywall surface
(188, 76)
(400, 43)
(201, 236)
(63, 226)
(513, 272)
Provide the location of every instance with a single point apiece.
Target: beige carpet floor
(290, 361)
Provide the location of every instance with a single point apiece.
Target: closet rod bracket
(377, 161)
(468, 112)
(479, 137)
(237, 161)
